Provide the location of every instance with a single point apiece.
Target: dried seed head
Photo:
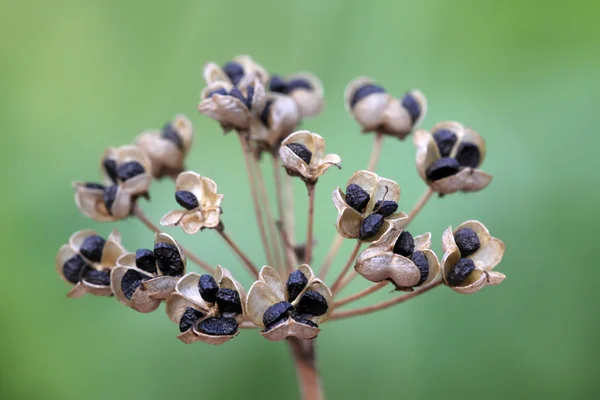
(312, 303)
(73, 267)
(218, 326)
(129, 169)
(229, 301)
(168, 259)
(370, 226)
(468, 155)
(187, 200)
(357, 197)
(234, 71)
(170, 133)
(145, 260)
(445, 140)
(461, 271)
(467, 241)
(110, 166)
(365, 91)
(296, 282)
(189, 318)
(208, 288)
(301, 151)
(276, 313)
(95, 277)
(303, 320)
(386, 207)
(92, 247)
(442, 168)
(412, 106)
(405, 245)
(109, 197)
(422, 263)
(94, 185)
(131, 282)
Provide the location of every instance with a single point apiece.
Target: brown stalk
(245, 260)
(420, 204)
(306, 368)
(336, 285)
(356, 296)
(311, 218)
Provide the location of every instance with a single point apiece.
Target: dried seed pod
(189, 318)
(365, 91)
(168, 259)
(467, 241)
(370, 226)
(303, 154)
(405, 245)
(301, 151)
(276, 313)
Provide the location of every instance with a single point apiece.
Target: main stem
(311, 218)
(309, 380)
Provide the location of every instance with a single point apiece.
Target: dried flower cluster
(287, 299)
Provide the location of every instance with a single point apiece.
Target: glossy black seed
(145, 260)
(405, 245)
(295, 283)
(303, 320)
(422, 263)
(109, 197)
(445, 141)
(229, 301)
(235, 92)
(387, 208)
(467, 241)
(189, 318)
(168, 259)
(312, 303)
(187, 200)
(72, 268)
(442, 168)
(221, 91)
(357, 197)
(265, 113)
(92, 247)
(249, 96)
(93, 185)
(170, 133)
(129, 169)
(370, 226)
(218, 326)
(301, 151)
(461, 271)
(365, 91)
(208, 288)
(276, 313)
(468, 155)
(278, 84)
(234, 71)
(131, 280)
(95, 277)
(110, 166)
(412, 106)
(298, 83)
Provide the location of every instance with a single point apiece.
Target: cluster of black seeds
(311, 304)
(279, 85)
(358, 198)
(467, 156)
(364, 91)
(468, 243)
(301, 151)
(169, 133)
(187, 200)
(405, 246)
(77, 268)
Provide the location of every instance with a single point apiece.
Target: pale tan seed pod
(295, 161)
(486, 258)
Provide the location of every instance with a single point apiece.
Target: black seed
(170, 133)
(303, 320)
(92, 247)
(129, 169)
(295, 283)
(370, 226)
(218, 326)
(208, 288)
(387, 208)
(468, 155)
(168, 259)
(445, 141)
(110, 166)
(365, 91)
(357, 197)
(73, 267)
(131, 280)
(312, 303)
(93, 185)
(276, 313)
(221, 91)
(412, 106)
(301, 151)
(235, 92)
(229, 301)
(234, 71)
(145, 260)
(265, 113)
(461, 271)
(442, 168)
(109, 197)
(187, 200)
(278, 85)
(189, 318)
(249, 96)
(298, 84)
(421, 262)
(405, 245)
(95, 277)
(467, 241)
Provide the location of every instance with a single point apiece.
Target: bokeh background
(78, 76)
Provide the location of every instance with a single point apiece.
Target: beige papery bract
(488, 255)
(270, 289)
(187, 295)
(319, 161)
(208, 212)
(75, 269)
(466, 179)
(252, 70)
(379, 262)
(378, 111)
(168, 147)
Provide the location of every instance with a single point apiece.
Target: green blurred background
(78, 76)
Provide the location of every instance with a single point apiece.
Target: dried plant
(287, 301)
